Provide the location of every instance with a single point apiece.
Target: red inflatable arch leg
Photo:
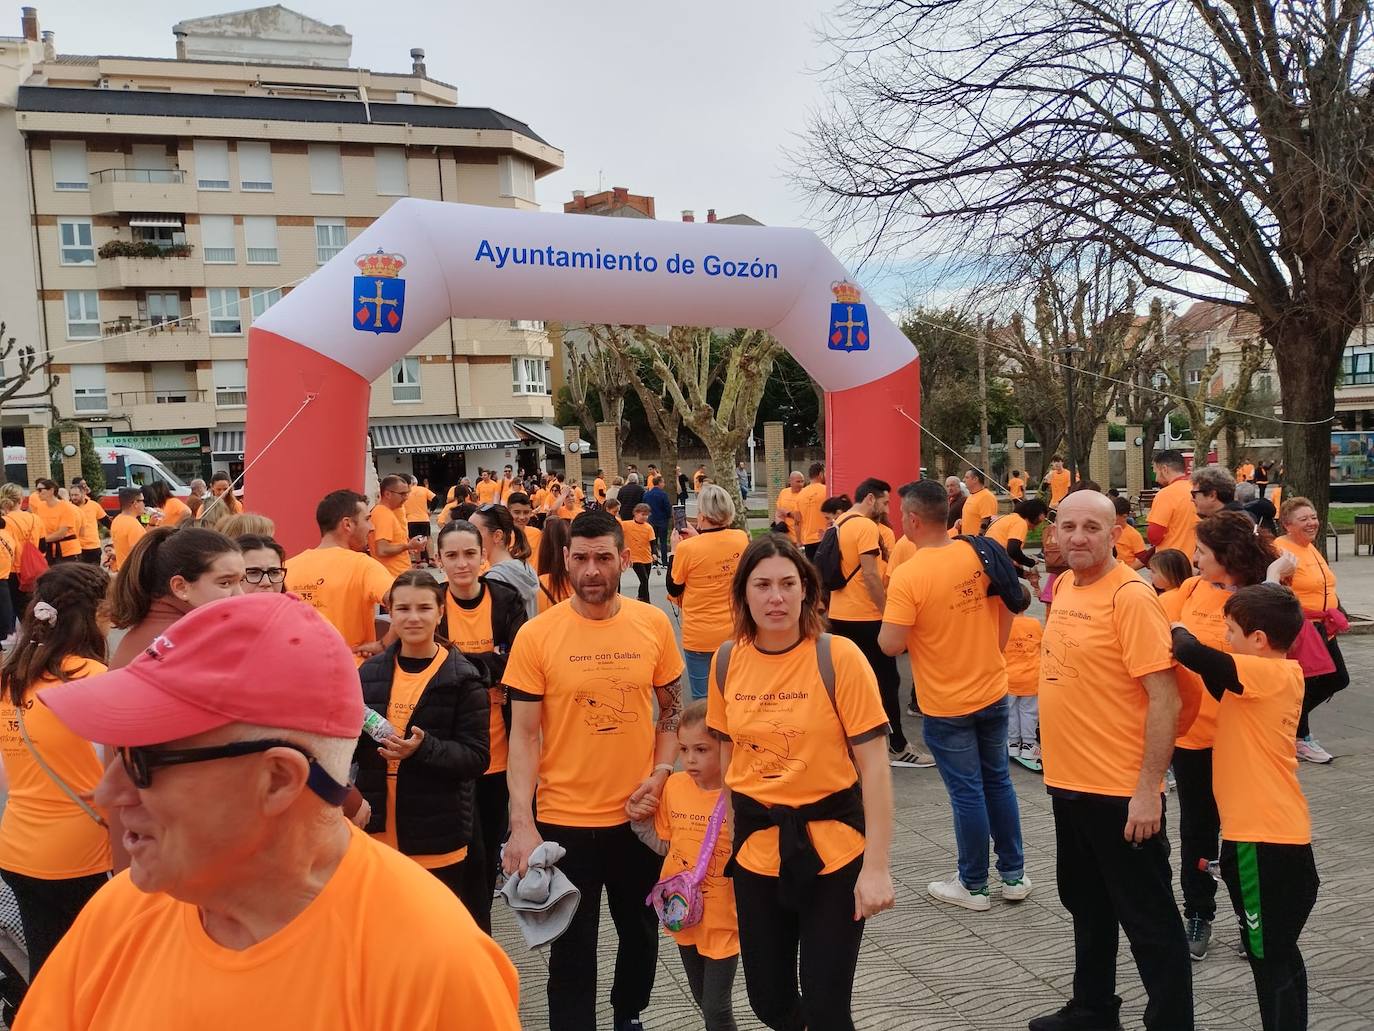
(866, 434)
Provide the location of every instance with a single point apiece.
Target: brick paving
(938, 968)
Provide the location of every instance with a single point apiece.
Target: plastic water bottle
(1211, 866)
(378, 727)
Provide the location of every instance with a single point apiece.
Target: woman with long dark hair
(1229, 555)
(420, 781)
(54, 846)
(554, 585)
(170, 571)
(507, 553)
(812, 758)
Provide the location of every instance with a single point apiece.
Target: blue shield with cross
(848, 327)
(378, 303)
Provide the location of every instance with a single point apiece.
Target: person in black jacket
(421, 782)
(480, 618)
(630, 495)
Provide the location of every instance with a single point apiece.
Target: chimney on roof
(49, 45)
(710, 214)
(689, 216)
(417, 62)
(620, 193)
(181, 44)
(29, 20)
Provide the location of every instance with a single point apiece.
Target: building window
(69, 168)
(261, 300)
(255, 167)
(1357, 368)
(224, 311)
(260, 239)
(391, 171)
(88, 388)
(75, 235)
(172, 384)
(217, 239)
(231, 384)
(83, 314)
(405, 380)
(326, 168)
(517, 177)
(529, 376)
(1266, 384)
(212, 164)
(1194, 377)
(159, 236)
(527, 325)
(161, 307)
(330, 237)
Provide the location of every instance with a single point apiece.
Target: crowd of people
(337, 788)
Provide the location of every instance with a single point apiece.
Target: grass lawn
(1343, 518)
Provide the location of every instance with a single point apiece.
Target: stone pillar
(36, 448)
(1135, 457)
(572, 460)
(608, 449)
(774, 460)
(1099, 463)
(1016, 455)
(71, 466)
(1223, 453)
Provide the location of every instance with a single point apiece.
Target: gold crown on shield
(381, 265)
(845, 292)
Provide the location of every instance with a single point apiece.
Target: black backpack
(828, 562)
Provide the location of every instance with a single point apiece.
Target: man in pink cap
(250, 901)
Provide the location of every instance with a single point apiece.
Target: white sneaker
(1016, 891)
(910, 760)
(954, 892)
(1311, 751)
(1013, 749)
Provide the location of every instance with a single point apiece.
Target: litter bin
(1364, 533)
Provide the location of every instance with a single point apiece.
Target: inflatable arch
(313, 356)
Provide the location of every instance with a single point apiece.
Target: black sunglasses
(274, 574)
(139, 763)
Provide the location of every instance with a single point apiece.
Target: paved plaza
(934, 967)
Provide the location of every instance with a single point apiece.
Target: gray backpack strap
(723, 666)
(825, 664)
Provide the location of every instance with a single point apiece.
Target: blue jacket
(660, 508)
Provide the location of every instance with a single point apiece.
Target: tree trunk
(1308, 357)
(723, 457)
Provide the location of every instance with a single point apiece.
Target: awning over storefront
(435, 438)
(548, 433)
(226, 443)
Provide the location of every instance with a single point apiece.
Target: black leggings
(823, 933)
(484, 854)
(642, 571)
(1316, 690)
(1199, 830)
(48, 908)
(712, 982)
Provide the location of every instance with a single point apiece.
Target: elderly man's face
(1086, 529)
(952, 486)
(190, 833)
(1206, 502)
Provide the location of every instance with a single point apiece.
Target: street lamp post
(1072, 414)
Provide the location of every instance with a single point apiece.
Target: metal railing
(128, 398)
(157, 176)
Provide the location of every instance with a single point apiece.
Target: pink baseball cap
(264, 659)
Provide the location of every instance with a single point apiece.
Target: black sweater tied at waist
(798, 861)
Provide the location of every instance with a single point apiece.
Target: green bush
(142, 249)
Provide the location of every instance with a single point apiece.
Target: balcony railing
(129, 398)
(163, 176)
(230, 398)
(129, 324)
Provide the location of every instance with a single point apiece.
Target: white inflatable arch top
(313, 355)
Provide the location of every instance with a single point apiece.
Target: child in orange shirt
(710, 948)
(1022, 652)
(639, 538)
(1130, 546)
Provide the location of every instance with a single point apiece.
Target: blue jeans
(662, 532)
(698, 672)
(971, 754)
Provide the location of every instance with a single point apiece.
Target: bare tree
(1148, 401)
(20, 367)
(1224, 148)
(1213, 411)
(594, 373)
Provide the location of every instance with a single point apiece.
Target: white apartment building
(169, 202)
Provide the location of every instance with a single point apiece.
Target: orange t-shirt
(599, 489)
(384, 945)
(596, 679)
(941, 596)
(790, 505)
(1173, 509)
(469, 630)
(175, 511)
(858, 535)
(1099, 641)
(639, 538)
(9, 553)
(978, 506)
(705, 565)
(43, 833)
(88, 532)
(406, 689)
(1254, 762)
(1059, 485)
(1313, 581)
(697, 480)
(1023, 656)
(345, 587)
(1198, 605)
(417, 504)
(790, 744)
(902, 550)
(533, 535)
(680, 820)
(1008, 528)
(25, 526)
(487, 491)
(1244, 472)
(54, 517)
(505, 488)
(1130, 544)
(389, 525)
(1016, 487)
(125, 532)
(811, 499)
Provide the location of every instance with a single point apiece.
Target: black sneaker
(629, 1024)
(1077, 1017)
(1199, 937)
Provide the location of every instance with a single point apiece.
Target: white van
(123, 467)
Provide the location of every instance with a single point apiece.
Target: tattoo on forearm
(669, 706)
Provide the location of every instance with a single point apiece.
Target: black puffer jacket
(434, 787)
(507, 617)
